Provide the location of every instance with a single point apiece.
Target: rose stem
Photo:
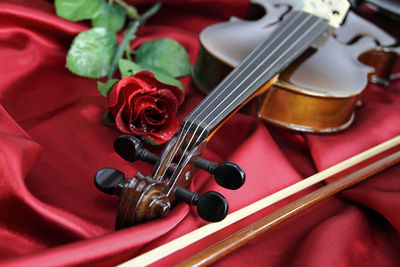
(129, 36)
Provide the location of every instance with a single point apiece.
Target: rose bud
(144, 106)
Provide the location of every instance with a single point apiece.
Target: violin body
(319, 91)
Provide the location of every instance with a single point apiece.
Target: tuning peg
(227, 174)
(211, 206)
(131, 149)
(109, 180)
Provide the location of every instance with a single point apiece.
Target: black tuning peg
(227, 174)
(109, 180)
(131, 149)
(211, 206)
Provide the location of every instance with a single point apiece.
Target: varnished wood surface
(292, 37)
(320, 90)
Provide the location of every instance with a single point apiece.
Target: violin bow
(347, 173)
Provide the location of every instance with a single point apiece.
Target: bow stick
(350, 172)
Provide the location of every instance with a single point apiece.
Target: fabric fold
(52, 143)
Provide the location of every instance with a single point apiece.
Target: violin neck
(297, 32)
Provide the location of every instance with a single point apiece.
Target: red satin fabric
(52, 143)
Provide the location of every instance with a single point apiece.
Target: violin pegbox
(334, 11)
(143, 198)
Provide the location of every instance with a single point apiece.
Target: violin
(147, 197)
(320, 90)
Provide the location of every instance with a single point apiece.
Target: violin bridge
(334, 11)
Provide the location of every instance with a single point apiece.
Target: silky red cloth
(52, 143)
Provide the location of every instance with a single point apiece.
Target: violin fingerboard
(293, 36)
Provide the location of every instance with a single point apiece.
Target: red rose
(144, 106)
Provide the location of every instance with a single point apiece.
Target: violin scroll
(143, 198)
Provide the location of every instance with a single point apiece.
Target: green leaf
(105, 88)
(164, 77)
(129, 68)
(75, 10)
(164, 54)
(91, 53)
(111, 17)
(107, 118)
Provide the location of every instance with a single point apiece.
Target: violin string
(184, 132)
(242, 70)
(238, 86)
(253, 56)
(263, 73)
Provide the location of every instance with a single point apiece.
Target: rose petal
(126, 85)
(166, 101)
(136, 120)
(169, 129)
(163, 103)
(144, 106)
(154, 117)
(131, 111)
(119, 121)
(166, 96)
(150, 79)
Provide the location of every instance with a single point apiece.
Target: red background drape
(52, 143)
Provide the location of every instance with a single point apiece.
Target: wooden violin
(319, 91)
(142, 197)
